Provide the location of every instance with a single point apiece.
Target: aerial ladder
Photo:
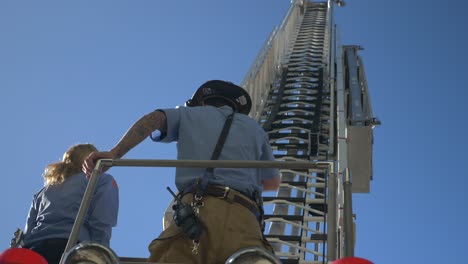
(310, 94)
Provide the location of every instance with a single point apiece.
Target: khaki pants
(229, 227)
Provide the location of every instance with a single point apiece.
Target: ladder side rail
(331, 73)
(266, 68)
(264, 50)
(341, 142)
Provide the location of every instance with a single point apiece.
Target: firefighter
(219, 211)
(55, 206)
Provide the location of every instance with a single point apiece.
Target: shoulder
(172, 110)
(39, 193)
(173, 115)
(183, 112)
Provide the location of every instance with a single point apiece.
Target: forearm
(139, 131)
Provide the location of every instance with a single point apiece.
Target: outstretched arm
(142, 128)
(146, 125)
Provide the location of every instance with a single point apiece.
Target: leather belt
(231, 195)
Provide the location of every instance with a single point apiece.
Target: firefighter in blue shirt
(55, 206)
(227, 216)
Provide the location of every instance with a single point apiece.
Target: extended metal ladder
(296, 116)
(310, 94)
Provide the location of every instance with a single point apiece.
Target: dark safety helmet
(233, 94)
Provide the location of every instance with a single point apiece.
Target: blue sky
(84, 71)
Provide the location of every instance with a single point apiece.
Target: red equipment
(21, 256)
(352, 260)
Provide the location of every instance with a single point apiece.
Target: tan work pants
(229, 227)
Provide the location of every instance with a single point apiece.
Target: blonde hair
(56, 173)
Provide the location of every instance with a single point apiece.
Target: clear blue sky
(84, 71)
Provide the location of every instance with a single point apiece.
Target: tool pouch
(185, 218)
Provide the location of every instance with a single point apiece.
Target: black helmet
(238, 97)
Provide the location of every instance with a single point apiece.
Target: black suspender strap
(203, 181)
(221, 139)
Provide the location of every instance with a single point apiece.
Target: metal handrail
(102, 163)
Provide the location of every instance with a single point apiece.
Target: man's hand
(134, 136)
(90, 161)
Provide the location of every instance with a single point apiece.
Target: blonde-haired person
(56, 205)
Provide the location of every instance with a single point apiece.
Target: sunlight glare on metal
(253, 255)
(90, 253)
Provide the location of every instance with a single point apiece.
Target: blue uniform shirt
(54, 209)
(197, 129)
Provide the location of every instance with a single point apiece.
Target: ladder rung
(296, 218)
(313, 237)
(289, 199)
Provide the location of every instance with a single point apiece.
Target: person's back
(196, 130)
(55, 206)
(58, 205)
